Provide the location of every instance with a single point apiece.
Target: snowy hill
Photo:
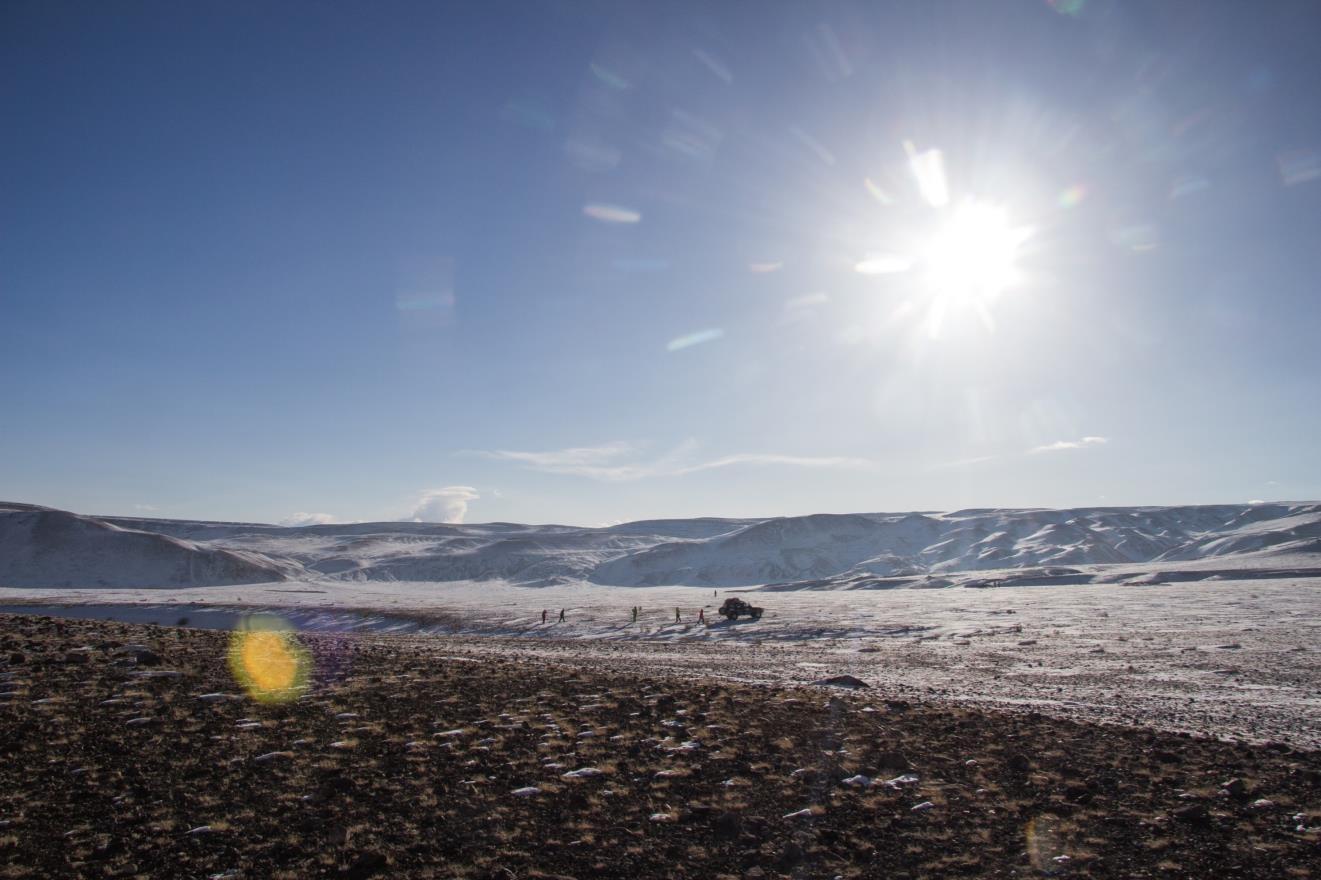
(40, 547)
(43, 547)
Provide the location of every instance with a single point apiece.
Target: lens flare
(709, 335)
(267, 660)
(1073, 196)
(1046, 844)
(877, 193)
(611, 213)
(928, 168)
(883, 264)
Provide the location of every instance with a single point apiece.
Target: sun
(972, 254)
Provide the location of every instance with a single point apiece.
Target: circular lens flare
(267, 660)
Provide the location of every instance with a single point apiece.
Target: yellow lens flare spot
(267, 660)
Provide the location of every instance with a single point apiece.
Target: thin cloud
(757, 458)
(447, 505)
(308, 519)
(618, 462)
(1062, 445)
(962, 462)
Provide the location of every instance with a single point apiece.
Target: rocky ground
(130, 750)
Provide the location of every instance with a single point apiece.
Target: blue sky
(591, 262)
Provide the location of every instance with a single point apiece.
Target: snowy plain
(1221, 634)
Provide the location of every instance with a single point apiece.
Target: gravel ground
(131, 750)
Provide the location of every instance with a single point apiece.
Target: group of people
(637, 609)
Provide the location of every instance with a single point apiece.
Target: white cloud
(447, 505)
(308, 519)
(620, 462)
(1060, 445)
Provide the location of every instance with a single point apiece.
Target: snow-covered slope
(39, 546)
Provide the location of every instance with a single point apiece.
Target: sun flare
(972, 256)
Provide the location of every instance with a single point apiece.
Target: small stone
(272, 756)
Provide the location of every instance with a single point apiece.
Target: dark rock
(790, 856)
(846, 681)
(892, 760)
(148, 658)
(17, 658)
(1235, 788)
(367, 864)
(1018, 761)
(76, 657)
(1078, 792)
(1193, 813)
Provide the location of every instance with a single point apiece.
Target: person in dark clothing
(561, 615)
(543, 615)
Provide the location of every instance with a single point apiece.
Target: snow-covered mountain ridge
(45, 547)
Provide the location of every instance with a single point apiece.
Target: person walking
(635, 614)
(561, 615)
(701, 616)
(543, 616)
(676, 615)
